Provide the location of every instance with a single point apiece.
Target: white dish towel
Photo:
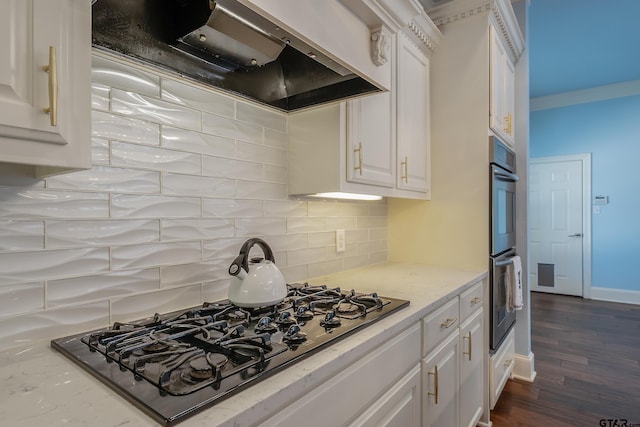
(513, 284)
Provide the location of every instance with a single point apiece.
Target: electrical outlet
(341, 240)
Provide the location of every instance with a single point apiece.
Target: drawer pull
(52, 69)
(468, 338)
(508, 363)
(475, 300)
(435, 384)
(448, 323)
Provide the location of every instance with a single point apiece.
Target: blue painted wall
(610, 130)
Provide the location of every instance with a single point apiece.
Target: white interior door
(556, 225)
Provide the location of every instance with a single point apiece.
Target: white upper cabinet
(502, 88)
(45, 86)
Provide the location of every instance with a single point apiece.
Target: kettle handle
(242, 260)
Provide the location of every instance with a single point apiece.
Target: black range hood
(224, 44)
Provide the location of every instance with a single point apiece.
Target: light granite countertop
(41, 387)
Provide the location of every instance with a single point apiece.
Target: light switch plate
(341, 241)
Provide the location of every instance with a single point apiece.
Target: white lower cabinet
(501, 367)
(472, 352)
(440, 384)
(356, 394)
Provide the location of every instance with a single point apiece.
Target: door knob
(575, 235)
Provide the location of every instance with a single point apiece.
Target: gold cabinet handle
(468, 337)
(448, 323)
(508, 363)
(508, 124)
(359, 150)
(52, 69)
(405, 177)
(475, 300)
(435, 384)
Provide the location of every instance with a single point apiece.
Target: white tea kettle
(257, 282)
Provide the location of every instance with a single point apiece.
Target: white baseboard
(524, 367)
(481, 424)
(615, 295)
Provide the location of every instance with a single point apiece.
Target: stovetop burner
(175, 364)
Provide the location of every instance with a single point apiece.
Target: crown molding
(585, 96)
(501, 12)
(424, 32)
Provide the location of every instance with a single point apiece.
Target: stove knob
(330, 320)
(294, 335)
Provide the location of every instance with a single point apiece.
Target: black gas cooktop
(175, 364)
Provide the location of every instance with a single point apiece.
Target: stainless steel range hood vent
(224, 44)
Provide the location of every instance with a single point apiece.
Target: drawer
(471, 300)
(501, 366)
(439, 324)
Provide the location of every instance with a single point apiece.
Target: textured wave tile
(346, 222)
(105, 178)
(305, 256)
(21, 298)
(141, 156)
(139, 306)
(327, 238)
(146, 206)
(185, 274)
(155, 254)
(20, 203)
(325, 267)
(276, 139)
(143, 107)
(225, 249)
(261, 190)
(216, 166)
(261, 116)
(197, 185)
(231, 208)
(261, 154)
(78, 289)
(101, 232)
(260, 226)
(285, 208)
(372, 222)
(18, 267)
(99, 151)
(223, 126)
(197, 97)
(111, 126)
(288, 242)
(216, 290)
(276, 174)
(21, 235)
(197, 142)
(100, 97)
(196, 229)
(113, 73)
(28, 329)
(305, 224)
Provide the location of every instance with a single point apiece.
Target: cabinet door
(27, 134)
(472, 389)
(413, 117)
(440, 385)
(399, 407)
(502, 73)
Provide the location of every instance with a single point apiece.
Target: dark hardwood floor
(587, 359)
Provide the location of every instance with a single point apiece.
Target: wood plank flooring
(587, 359)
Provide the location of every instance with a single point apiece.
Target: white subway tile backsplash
(132, 104)
(141, 156)
(62, 234)
(112, 126)
(223, 126)
(182, 177)
(21, 235)
(21, 298)
(21, 203)
(260, 116)
(197, 142)
(217, 166)
(155, 254)
(18, 267)
(232, 208)
(114, 73)
(86, 288)
(193, 185)
(195, 229)
(105, 178)
(149, 206)
(193, 96)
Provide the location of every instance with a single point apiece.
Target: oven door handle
(505, 262)
(506, 176)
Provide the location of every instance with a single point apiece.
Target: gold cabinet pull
(448, 323)
(435, 384)
(508, 124)
(359, 150)
(475, 300)
(52, 69)
(508, 363)
(468, 337)
(405, 166)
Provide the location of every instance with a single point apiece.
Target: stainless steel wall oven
(502, 235)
